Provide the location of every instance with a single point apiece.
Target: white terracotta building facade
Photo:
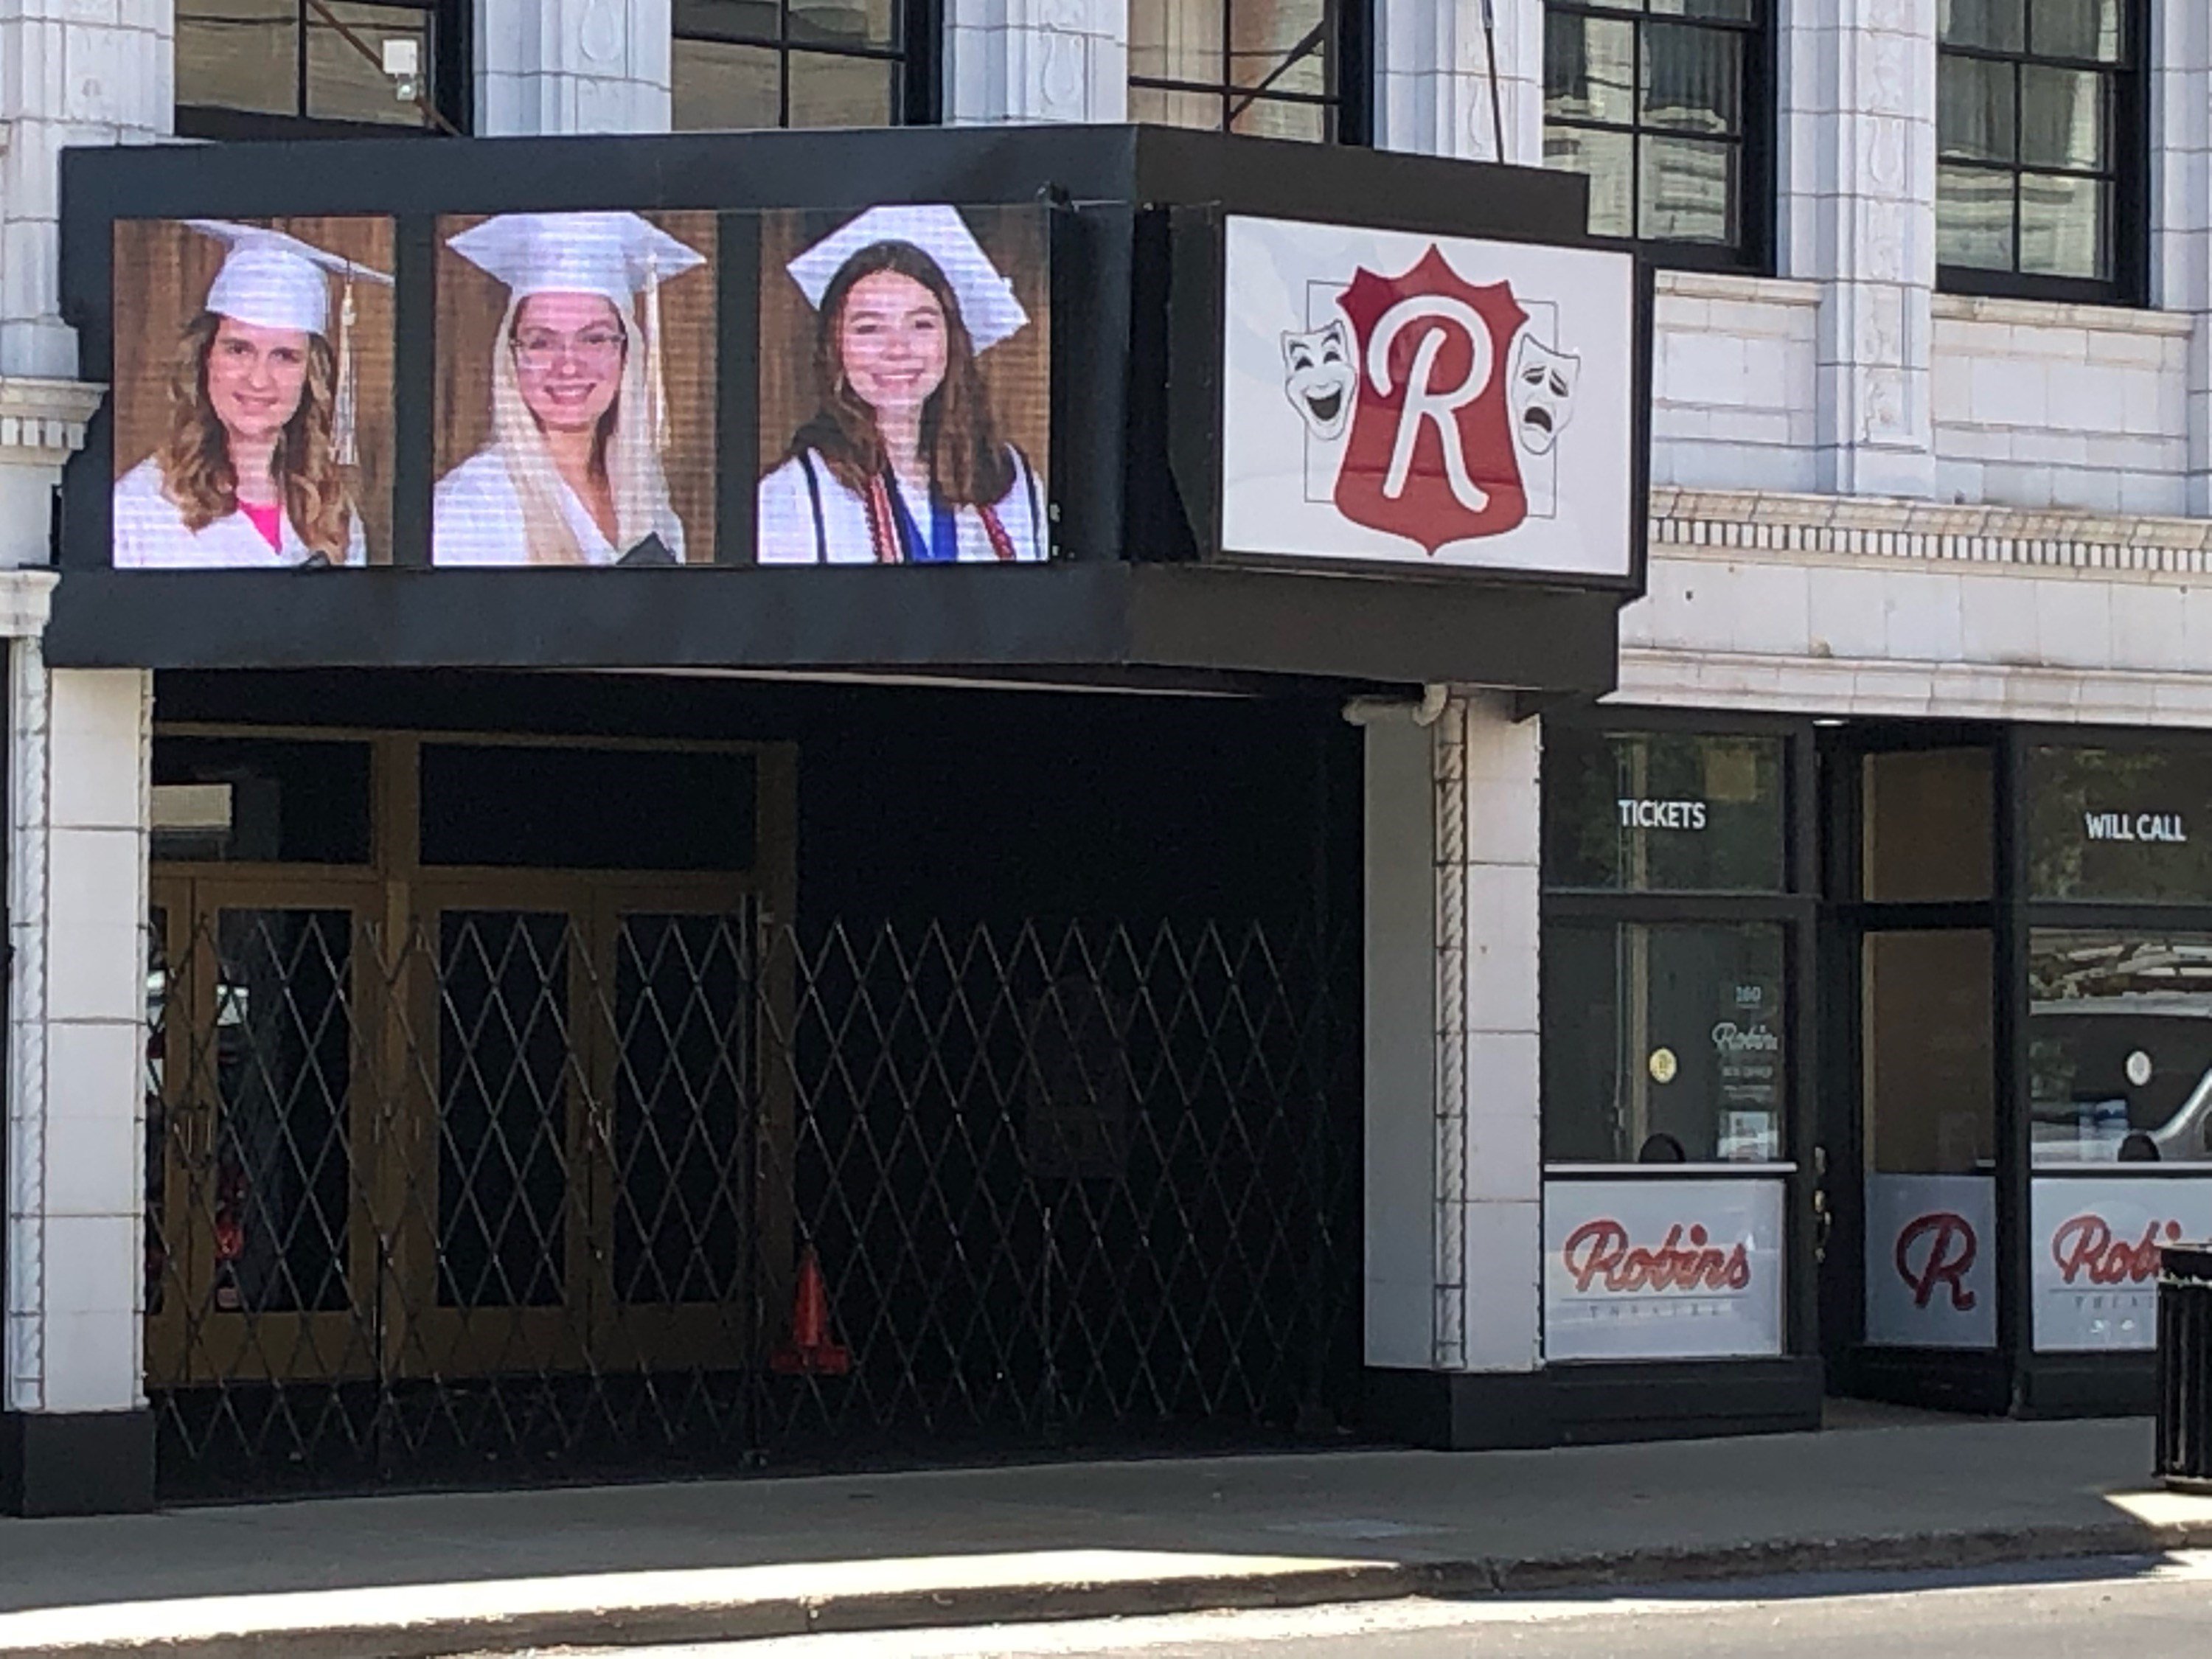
(1887, 518)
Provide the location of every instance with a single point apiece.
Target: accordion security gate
(577, 1190)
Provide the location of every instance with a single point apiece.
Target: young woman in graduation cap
(261, 419)
(573, 472)
(901, 463)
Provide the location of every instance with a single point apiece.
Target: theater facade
(562, 949)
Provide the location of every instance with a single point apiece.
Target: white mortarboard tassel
(619, 256)
(987, 305)
(270, 279)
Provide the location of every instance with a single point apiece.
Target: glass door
(259, 1256)
(1910, 1270)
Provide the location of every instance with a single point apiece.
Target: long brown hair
(196, 473)
(969, 467)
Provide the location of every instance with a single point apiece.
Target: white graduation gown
(785, 528)
(150, 533)
(476, 518)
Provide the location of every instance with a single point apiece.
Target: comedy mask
(1320, 379)
(1542, 394)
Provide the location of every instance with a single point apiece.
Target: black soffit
(1106, 608)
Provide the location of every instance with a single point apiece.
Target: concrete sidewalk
(631, 1564)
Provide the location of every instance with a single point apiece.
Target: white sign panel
(1649, 1268)
(1428, 400)
(1931, 1261)
(2096, 1254)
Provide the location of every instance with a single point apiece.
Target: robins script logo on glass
(1450, 389)
(1949, 1257)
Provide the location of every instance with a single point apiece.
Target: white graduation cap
(270, 279)
(273, 280)
(987, 305)
(619, 256)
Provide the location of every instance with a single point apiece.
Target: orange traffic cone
(811, 1352)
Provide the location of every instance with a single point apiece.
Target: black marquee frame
(1135, 224)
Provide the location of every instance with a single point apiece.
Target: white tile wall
(1733, 391)
(2067, 406)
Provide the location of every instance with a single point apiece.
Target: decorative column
(1036, 60)
(1454, 1233)
(1433, 78)
(69, 74)
(1857, 212)
(2180, 57)
(78, 1438)
(556, 66)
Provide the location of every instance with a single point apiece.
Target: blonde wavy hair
(197, 474)
(623, 455)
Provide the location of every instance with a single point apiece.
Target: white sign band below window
(1931, 1273)
(2094, 1262)
(1652, 1269)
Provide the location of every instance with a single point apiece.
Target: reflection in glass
(238, 54)
(2062, 121)
(1608, 160)
(1689, 191)
(1974, 218)
(1664, 1037)
(1926, 829)
(1928, 1055)
(1997, 25)
(503, 1072)
(722, 86)
(2064, 226)
(1589, 69)
(1975, 119)
(2120, 1046)
(2120, 824)
(344, 84)
(1692, 79)
(283, 1067)
(1647, 812)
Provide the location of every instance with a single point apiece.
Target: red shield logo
(1430, 456)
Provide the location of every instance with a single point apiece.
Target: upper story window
(1665, 105)
(1279, 69)
(292, 68)
(2043, 147)
(802, 63)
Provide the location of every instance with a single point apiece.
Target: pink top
(269, 520)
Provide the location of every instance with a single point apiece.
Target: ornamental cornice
(1753, 522)
(42, 421)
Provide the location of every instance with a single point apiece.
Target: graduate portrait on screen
(572, 395)
(252, 420)
(903, 459)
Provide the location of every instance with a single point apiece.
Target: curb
(908, 1608)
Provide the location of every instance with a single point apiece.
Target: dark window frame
(1757, 139)
(452, 79)
(1347, 106)
(2126, 170)
(916, 52)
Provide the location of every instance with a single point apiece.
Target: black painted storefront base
(1590, 1404)
(2088, 1385)
(1977, 1381)
(76, 1462)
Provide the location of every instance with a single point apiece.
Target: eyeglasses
(539, 348)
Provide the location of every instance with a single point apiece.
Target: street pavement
(408, 1577)
(2137, 1608)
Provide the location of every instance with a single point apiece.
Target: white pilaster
(70, 73)
(1857, 211)
(1433, 77)
(557, 66)
(1036, 60)
(2181, 205)
(77, 1041)
(1454, 1190)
